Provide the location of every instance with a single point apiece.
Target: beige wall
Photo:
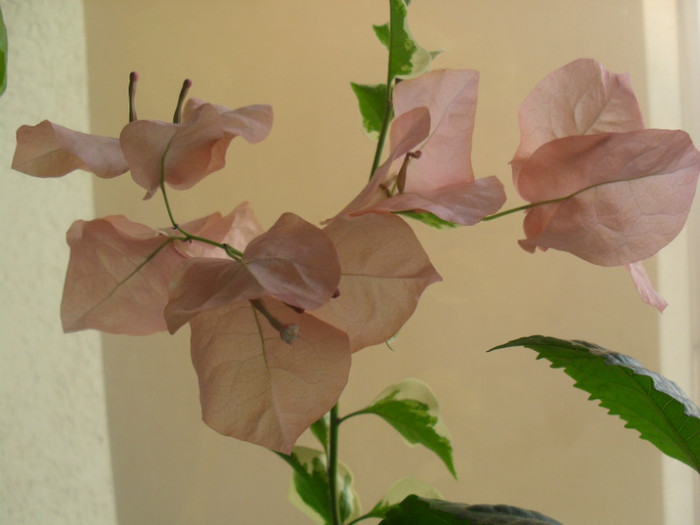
(522, 435)
(673, 94)
(54, 451)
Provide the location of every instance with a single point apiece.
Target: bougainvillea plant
(276, 314)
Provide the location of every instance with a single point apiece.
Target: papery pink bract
(605, 189)
(253, 385)
(441, 181)
(384, 271)
(450, 95)
(646, 290)
(203, 284)
(180, 154)
(293, 261)
(628, 194)
(253, 123)
(111, 284)
(50, 150)
(236, 229)
(580, 98)
(119, 271)
(461, 203)
(407, 132)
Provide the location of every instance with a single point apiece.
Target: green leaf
(411, 408)
(3, 55)
(382, 33)
(418, 511)
(399, 491)
(321, 429)
(406, 58)
(348, 501)
(428, 218)
(372, 101)
(309, 490)
(648, 402)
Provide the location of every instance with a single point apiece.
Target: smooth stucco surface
(54, 453)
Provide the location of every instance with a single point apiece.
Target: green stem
(230, 250)
(352, 414)
(385, 129)
(388, 110)
(561, 199)
(333, 464)
(513, 210)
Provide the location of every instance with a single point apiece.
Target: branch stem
(385, 129)
(230, 250)
(333, 464)
(512, 210)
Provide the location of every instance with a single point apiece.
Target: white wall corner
(54, 452)
(671, 41)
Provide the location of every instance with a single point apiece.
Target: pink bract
(293, 261)
(254, 386)
(615, 198)
(646, 290)
(435, 115)
(604, 188)
(183, 154)
(179, 154)
(117, 278)
(253, 123)
(119, 271)
(50, 150)
(384, 271)
(580, 98)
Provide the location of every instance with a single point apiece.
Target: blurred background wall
(522, 435)
(672, 37)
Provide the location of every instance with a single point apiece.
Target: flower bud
(289, 332)
(133, 79)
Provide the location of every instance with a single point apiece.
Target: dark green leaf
(372, 101)
(411, 408)
(646, 401)
(428, 218)
(418, 511)
(3, 55)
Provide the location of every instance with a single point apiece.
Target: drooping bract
(605, 189)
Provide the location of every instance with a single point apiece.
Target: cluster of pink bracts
(605, 189)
